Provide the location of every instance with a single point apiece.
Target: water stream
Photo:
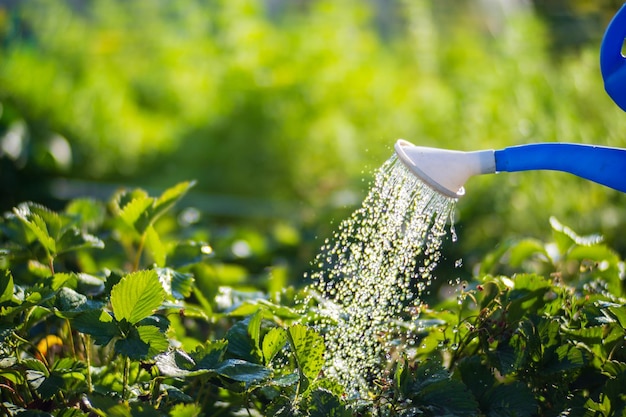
(369, 276)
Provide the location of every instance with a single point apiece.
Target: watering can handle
(601, 164)
(612, 62)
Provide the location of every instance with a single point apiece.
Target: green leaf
(281, 406)
(590, 336)
(476, 376)
(36, 365)
(243, 371)
(491, 260)
(63, 279)
(89, 284)
(55, 222)
(132, 345)
(73, 239)
(176, 395)
(240, 344)
(177, 284)
(434, 388)
(308, 347)
(525, 249)
(186, 410)
(178, 364)
(490, 291)
(620, 315)
(70, 301)
(161, 205)
(156, 340)
(14, 230)
(142, 342)
(6, 286)
(210, 354)
(135, 209)
(137, 296)
(597, 253)
(46, 386)
(527, 297)
(90, 212)
(565, 237)
(273, 342)
(155, 247)
(98, 324)
(189, 253)
(614, 368)
(37, 226)
(68, 365)
(288, 380)
(514, 400)
(71, 412)
(567, 357)
(254, 330)
(170, 197)
(324, 403)
(158, 320)
(509, 356)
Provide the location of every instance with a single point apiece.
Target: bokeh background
(283, 109)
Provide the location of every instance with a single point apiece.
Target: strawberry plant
(95, 308)
(108, 309)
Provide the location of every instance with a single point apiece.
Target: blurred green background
(283, 109)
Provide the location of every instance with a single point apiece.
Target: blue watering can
(446, 171)
(612, 62)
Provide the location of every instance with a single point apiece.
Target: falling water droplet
(379, 262)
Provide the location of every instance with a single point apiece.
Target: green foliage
(105, 329)
(529, 344)
(112, 328)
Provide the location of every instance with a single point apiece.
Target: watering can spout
(446, 171)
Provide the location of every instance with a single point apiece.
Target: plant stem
(125, 381)
(87, 346)
(71, 337)
(142, 242)
(51, 264)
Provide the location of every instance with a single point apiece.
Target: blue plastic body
(604, 165)
(612, 62)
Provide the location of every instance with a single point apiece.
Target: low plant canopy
(107, 310)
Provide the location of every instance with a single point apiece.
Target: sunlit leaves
(6, 286)
(273, 342)
(156, 247)
(137, 296)
(496, 350)
(308, 348)
(140, 211)
(91, 213)
(177, 285)
(56, 233)
(38, 227)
